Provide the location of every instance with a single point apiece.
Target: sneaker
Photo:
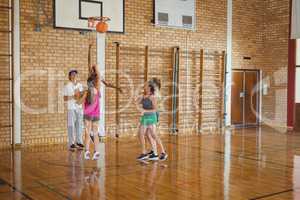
(150, 152)
(142, 156)
(153, 157)
(87, 155)
(163, 156)
(80, 146)
(96, 155)
(72, 147)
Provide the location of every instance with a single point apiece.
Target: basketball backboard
(73, 14)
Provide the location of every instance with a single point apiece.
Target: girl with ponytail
(91, 107)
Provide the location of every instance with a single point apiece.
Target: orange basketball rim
(99, 23)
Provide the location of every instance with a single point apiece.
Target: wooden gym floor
(246, 164)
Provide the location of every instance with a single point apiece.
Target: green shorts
(149, 119)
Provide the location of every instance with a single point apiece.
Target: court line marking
(17, 190)
(234, 155)
(218, 152)
(53, 190)
(184, 145)
(272, 194)
(215, 151)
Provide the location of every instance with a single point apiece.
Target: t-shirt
(69, 90)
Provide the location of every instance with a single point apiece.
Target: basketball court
(155, 99)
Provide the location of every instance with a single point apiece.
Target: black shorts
(90, 118)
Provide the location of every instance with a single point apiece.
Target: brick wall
(248, 34)
(260, 31)
(5, 120)
(54, 51)
(46, 58)
(276, 61)
(210, 35)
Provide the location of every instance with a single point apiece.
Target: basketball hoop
(98, 23)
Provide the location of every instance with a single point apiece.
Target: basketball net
(93, 21)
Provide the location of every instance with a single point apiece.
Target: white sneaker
(153, 157)
(87, 155)
(96, 155)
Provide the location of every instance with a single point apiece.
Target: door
(251, 97)
(245, 97)
(237, 88)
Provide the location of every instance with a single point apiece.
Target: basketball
(77, 95)
(102, 27)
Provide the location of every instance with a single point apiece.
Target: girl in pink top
(91, 115)
(91, 107)
(92, 103)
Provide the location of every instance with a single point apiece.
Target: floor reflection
(152, 174)
(227, 158)
(91, 187)
(237, 164)
(87, 177)
(296, 177)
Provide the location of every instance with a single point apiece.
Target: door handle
(242, 94)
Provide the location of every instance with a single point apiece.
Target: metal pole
(118, 85)
(12, 72)
(146, 64)
(174, 128)
(200, 89)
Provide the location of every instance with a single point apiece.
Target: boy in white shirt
(75, 112)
